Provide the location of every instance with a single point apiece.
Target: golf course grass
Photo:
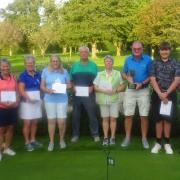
(86, 160)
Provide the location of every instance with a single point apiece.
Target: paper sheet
(59, 88)
(8, 96)
(105, 85)
(34, 95)
(165, 109)
(82, 91)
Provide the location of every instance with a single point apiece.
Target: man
(136, 71)
(165, 77)
(83, 73)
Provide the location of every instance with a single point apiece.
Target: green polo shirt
(83, 74)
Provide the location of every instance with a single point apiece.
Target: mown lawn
(86, 160)
(17, 62)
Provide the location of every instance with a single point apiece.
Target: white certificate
(165, 109)
(34, 95)
(82, 91)
(105, 85)
(8, 96)
(59, 88)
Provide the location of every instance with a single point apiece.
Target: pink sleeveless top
(9, 84)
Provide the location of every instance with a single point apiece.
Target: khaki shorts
(111, 110)
(133, 97)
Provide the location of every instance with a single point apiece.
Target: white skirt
(30, 111)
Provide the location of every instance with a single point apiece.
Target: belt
(133, 86)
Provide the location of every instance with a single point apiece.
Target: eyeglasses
(136, 49)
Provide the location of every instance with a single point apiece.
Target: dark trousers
(89, 105)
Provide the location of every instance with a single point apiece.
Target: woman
(54, 79)
(8, 108)
(108, 84)
(165, 76)
(30, 106)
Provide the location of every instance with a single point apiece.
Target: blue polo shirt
(32, 83)
(140, 68)
(51, 77)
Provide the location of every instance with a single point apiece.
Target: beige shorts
(111, 110)
(133, 97)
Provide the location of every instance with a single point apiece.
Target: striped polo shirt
(83, 74)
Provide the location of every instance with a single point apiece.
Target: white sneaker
(168, 149)
(145, 143)
(74, 139)
(50, 147)
(62, 145)
(96, 139)
(105, 142)
(9, 152)
(0, 156)
(125, 142)
(156, 148)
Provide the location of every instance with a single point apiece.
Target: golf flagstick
(109, 161)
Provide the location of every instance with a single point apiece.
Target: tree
(42, 38)
(25, 15)
(79, 23)
(10, 36)
(160, 24)
(96, 21)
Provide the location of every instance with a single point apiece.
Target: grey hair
(29, 57)
(84, 48)
(109, 57)
(5, 61)
(137, 42)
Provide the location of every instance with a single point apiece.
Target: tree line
(32, 26)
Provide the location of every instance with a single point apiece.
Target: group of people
(89, 87)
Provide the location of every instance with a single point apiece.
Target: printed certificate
(82, 91)
(8, 96)
(59, 88)
(165, 109)
(34, 95)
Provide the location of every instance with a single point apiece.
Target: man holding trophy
(136, 72)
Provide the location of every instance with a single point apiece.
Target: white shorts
(30, 111)
(56, 110)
